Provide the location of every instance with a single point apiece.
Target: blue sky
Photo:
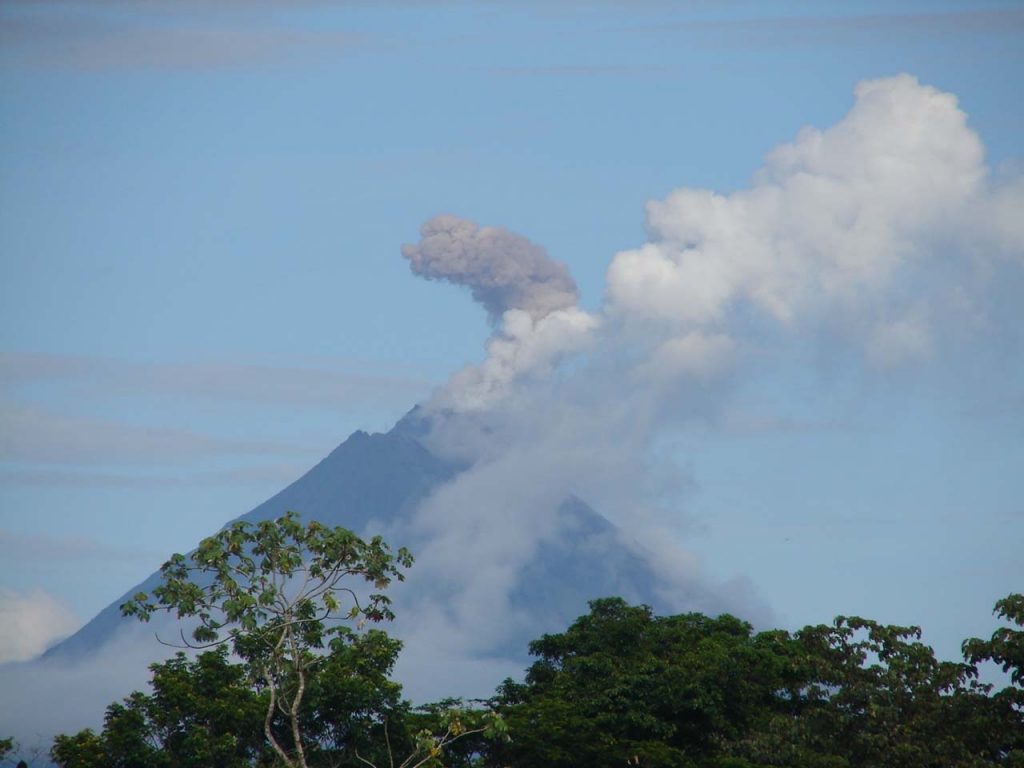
(201, 216)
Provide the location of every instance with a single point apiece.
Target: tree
(447, 729)
(874, 695)
(625, 687)
(1005, 648)
(201, 712)
(83, 750)
(204, 712)
(11, 751)
(351, 698)
(270, 591)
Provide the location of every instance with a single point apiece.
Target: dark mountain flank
(379, 480)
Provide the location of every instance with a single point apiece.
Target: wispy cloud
(30, 434)
(29, 623)
(740, 422)
(841, 30)
(104, 452)
(581, 70)
(272, 476)
(300, 383)
(99, 36)
(36, 548)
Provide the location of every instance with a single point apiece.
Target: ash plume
(503, 269)
(879, 237)
(883, 238)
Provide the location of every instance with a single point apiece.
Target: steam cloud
(504, 270)
(886, 231)
(30, 623)
(884, 234)
(42, 698)
(838, 225)
(531, 295)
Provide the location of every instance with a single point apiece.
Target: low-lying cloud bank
(30, 623)
(43, 698)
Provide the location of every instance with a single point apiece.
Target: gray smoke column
(504, 270)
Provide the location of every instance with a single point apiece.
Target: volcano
(376, 482)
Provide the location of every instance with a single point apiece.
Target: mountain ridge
(380, 478)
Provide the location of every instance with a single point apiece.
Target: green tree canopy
(201, 712)
(622, 684)
(309, 689)
(620, 687)
(274, 591)
(625, 687)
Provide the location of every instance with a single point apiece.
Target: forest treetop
(310, 686)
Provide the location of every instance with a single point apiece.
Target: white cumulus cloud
(885, 236)
(839, 225)
(30, 623)
(887, 231)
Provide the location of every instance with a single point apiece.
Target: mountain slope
(379, 480)
(365, 478)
